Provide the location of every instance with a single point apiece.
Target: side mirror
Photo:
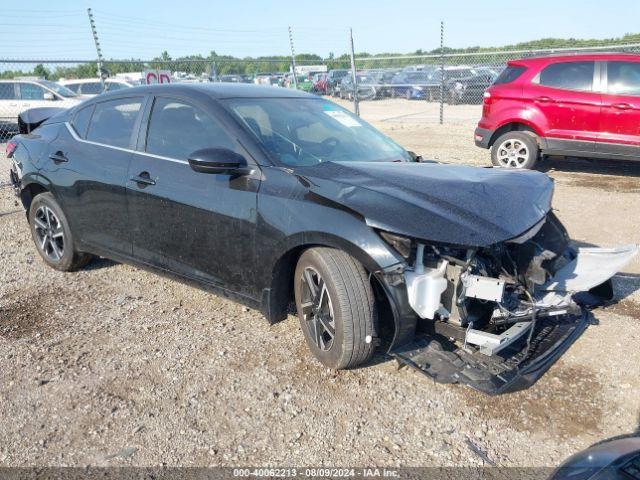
(48, 96)
(218, 161)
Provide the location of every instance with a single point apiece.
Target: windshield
(302, 132)
(59, 89)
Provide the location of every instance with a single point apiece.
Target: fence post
(442, 73)
(356, 104)
(293, 59)
(98, 50)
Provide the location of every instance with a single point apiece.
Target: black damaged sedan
(275, 197)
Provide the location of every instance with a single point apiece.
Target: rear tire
(515, 149)
(339, 321)
(52, 235)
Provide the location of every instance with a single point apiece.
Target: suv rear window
(624, 78)
(509, 74)
(568, 75)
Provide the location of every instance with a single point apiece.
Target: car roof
(575, 57)
(89, 80)
(217, 90)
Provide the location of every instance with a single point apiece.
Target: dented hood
(451, 204)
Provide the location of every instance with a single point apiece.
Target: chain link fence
(449, 84)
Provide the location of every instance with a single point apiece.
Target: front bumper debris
(509, 370)
(503, 361)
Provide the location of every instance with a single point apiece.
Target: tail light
(486, 97)
(11, 147)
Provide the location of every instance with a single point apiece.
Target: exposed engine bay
(491, 302)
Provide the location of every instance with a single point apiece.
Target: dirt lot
(115, 366)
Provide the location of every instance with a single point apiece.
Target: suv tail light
(486, 97)
(11, 147)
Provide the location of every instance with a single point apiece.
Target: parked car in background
(19, 95)
(320, 83)
(276, 197)
(304, 83)
(584, 105)
(468, 89)
(93, 86)
(372, 84)
(411, 85)
(451, 74)
(231, 78)
(334, 77)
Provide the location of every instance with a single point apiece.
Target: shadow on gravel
(100, 263)
(25, 317)
(610, 175)
(566, 402)
(598, 166)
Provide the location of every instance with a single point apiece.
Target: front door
(620, 118)
(564, 94)
(198, 225)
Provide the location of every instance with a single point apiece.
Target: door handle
(622, 106)
(143, 179)
(543, 99)
(58, 157)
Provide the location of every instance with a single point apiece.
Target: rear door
(567, 97)
(195, 224)
(620, 119)
(88, 163)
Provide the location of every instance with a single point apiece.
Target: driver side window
(177, 129)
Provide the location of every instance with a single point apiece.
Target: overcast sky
(143, 28)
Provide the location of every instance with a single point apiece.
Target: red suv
(577, 105)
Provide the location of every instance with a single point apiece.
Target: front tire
(52, 235)
(336, 307)
(515, 150)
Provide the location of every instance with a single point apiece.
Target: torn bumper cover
(514, 357)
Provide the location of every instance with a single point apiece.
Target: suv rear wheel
(515, 150)
(336, 307)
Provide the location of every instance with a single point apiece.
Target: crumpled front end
(496, 318)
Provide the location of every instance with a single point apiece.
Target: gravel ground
(116, 366)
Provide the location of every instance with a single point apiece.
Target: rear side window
(623, 78)
(7, 91)
(81, 121)
(30, 91)
(75, 87)
(568, 76)
(177, 129)
(112, 86)
(91, 88)
(509, 74)
(112, 122)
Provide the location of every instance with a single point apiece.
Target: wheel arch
(279, 295)
(517, 126)
(31, 190)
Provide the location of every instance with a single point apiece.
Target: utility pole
(98, 50)
(293, 59)
(356, 104)
(441, 73)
